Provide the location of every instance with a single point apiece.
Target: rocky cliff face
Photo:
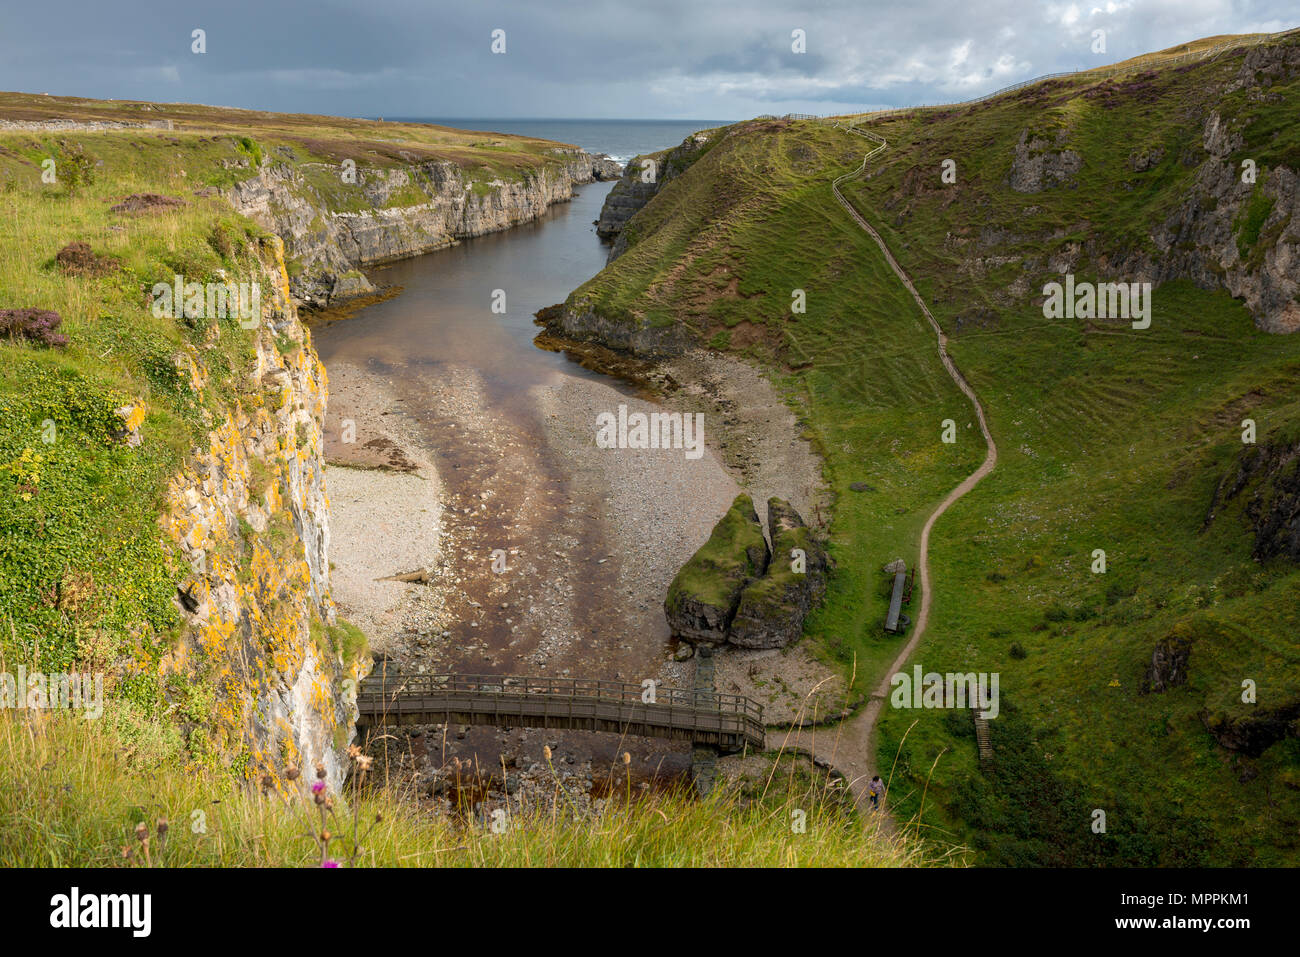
(1266, 481)
(250, 517)
(328, 246)
(1206, 239)
(642, 179)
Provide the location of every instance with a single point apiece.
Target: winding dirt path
(850, 746)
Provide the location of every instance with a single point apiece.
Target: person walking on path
(877, 790)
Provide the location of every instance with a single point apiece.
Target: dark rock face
(627, 197)
(1267, 480)
(1169, 663)
(1253, 734)
(702, 599)
(772, 609)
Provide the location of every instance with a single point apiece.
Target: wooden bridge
(726, 722)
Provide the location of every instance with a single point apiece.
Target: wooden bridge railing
(726, 721)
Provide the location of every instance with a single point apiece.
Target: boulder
(1169, 661)
(771, 610)
(702, 598)
(1253, 734)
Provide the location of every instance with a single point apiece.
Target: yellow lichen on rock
(249, 517)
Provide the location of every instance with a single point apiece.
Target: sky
(670, 59)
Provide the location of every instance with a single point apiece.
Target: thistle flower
(291, 773)
(329, 863)
(320, 769)
(317, 787)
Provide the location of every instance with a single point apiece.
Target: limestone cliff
(249, 515)
(394, 213)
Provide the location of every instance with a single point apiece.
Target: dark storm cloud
(584, 57)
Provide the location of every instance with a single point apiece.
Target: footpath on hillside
(850, 746)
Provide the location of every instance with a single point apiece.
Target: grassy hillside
(1110, 438)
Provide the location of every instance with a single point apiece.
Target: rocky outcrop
(604, 168)
(1169, 663)
(1228, 233)
(1266, 480)
(772, 609)
(1039, 165)
(328, 246)
(735, 590)
(1253, 734)
(703, 596)
(81, 126)
(1206, 238)
(580, 319)
(635, 188)
(249, 518)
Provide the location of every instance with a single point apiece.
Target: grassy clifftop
(326, 139)
(1110, 437)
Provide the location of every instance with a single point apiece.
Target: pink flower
(317, 787)
(329, 863)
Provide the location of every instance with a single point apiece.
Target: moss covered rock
(772, 609)
(702, 598)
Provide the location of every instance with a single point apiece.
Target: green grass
(1108, 438)
(88, 526)
(73, 795)
(716, 572)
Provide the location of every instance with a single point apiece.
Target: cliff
(389, 214)
(641, 181)
(249, 516)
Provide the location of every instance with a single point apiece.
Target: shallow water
(464, 379)
(445, 312)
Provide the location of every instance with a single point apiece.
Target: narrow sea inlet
(479, 526)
